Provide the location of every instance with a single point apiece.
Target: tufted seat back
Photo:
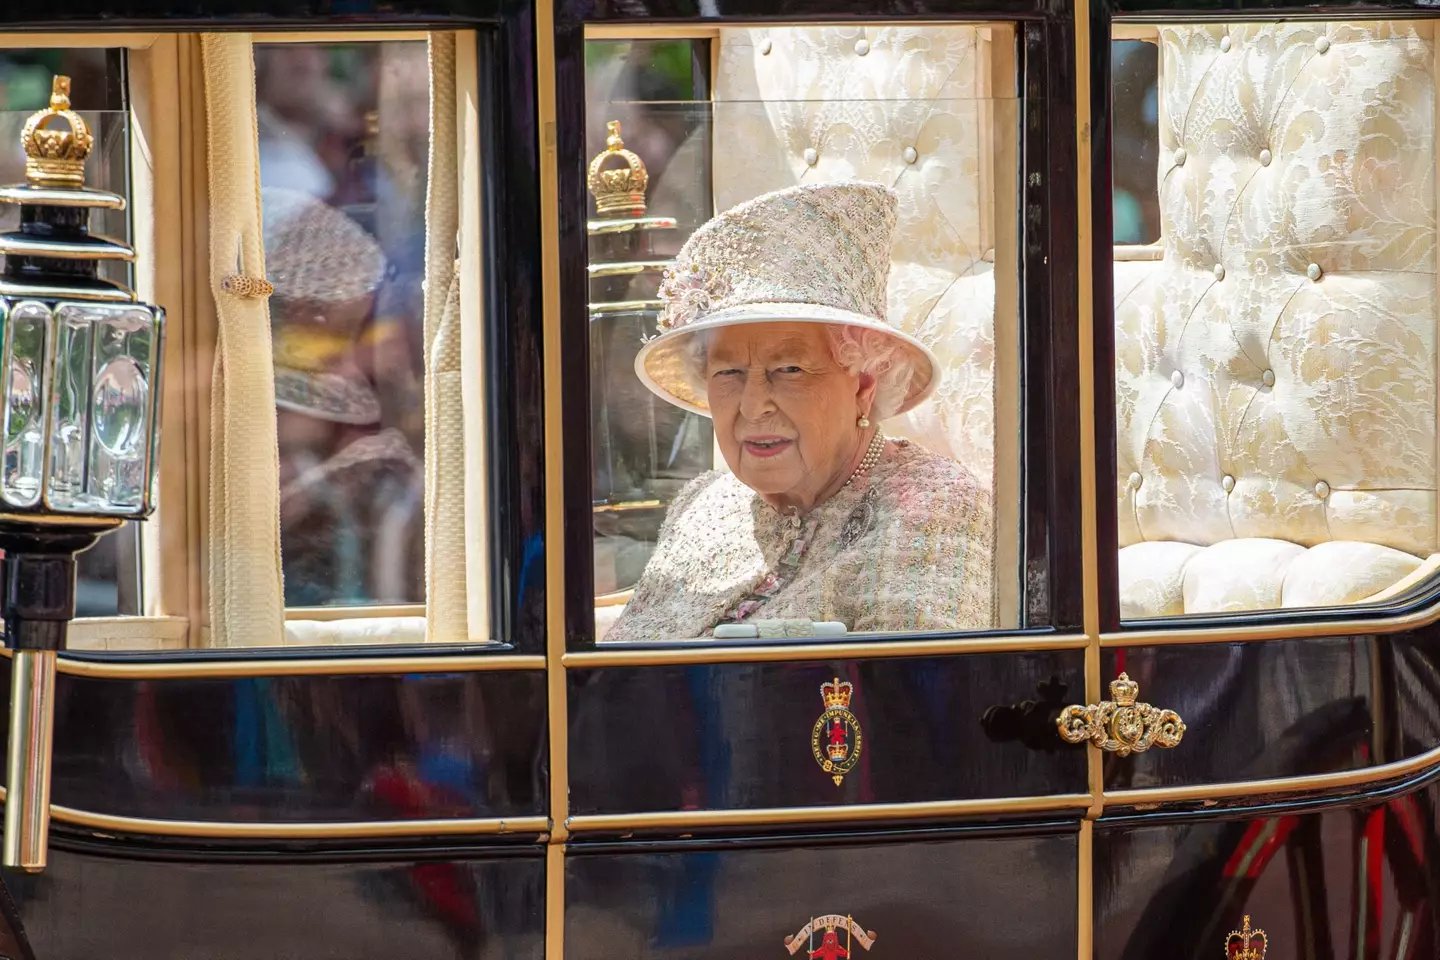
(1276, 370)
(909, 107)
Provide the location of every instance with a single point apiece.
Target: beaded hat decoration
(812, 254)
(326, 269)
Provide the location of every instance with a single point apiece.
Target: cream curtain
(246, 598)
(445, 522)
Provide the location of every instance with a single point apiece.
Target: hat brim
(326, 396)
(661, 362)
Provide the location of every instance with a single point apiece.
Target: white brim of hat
(661, 362)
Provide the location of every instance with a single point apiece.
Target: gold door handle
(1121, 725)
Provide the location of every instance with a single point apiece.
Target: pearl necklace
(872, 457)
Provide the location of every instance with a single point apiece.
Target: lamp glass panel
(27, 332)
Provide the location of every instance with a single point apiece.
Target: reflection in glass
(645, 450)
(344, 140)
(26, 330)
(790, 512)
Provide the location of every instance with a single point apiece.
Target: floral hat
(810, 254)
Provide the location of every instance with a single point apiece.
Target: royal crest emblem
(836, 740)
(1246, 943)
(820, 938)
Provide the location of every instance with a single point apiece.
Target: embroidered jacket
(908, 547)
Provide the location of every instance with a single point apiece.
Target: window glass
(344, 139)
(108, 574)
(1135, 66)
(804, 411)
(1276, 366)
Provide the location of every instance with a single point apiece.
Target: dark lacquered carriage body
(665, 801)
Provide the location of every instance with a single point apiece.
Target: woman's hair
(859, 350)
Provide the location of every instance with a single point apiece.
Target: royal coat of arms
(820, 938)
(836, 740)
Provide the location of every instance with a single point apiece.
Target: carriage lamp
(79, 378)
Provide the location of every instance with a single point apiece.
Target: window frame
(1412, 602)
(500, 300)
(1051, 514)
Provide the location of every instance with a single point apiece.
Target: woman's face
(785, 411)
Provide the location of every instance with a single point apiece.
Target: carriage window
(1276, 364)
(343, 137)
(803, 411)
(108, 576)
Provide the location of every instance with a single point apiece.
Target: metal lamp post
(79, 380)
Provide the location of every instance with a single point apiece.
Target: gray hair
(859, 350)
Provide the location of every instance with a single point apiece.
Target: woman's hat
(326, 269)
(816, 254)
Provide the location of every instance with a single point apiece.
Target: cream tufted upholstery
(908, 107)
(1276, 371)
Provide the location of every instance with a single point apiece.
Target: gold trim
(555, 902)
(554, 413)
(1089, 535)
(1085, 892)
(355, 613)
(623, 507)
(681, 819)
(76, 41)
(1273, 630)
(628, 225)
(627, 268)
(1121, 725)
(617, 599)
(299, 831)
(705, 653)
(1419, 764)
(336, 666)
(624, 306)
(359, 35)
(336, 830)
(650, 31)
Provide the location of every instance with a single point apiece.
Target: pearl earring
(863, 422)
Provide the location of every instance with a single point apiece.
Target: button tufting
(1265, 158)
(1322, 489)
(1228, 482)
(1180, 156)
(862, 46)
(1219, 271)
(910, 155)
(1314, 272)
(1134, 481)
(765, 47)
(1323, 44)
(1268, 378)
(1178, 379)
(812, 156)
(1225, 44)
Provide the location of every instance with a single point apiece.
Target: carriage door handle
(1121, 725)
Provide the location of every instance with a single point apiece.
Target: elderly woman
(774, 326)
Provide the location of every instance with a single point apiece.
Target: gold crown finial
(1124, 690)
(1246, 944)
(620, 190)
(55, 158)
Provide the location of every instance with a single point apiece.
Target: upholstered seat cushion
(1166, 578)
(1276, 369)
